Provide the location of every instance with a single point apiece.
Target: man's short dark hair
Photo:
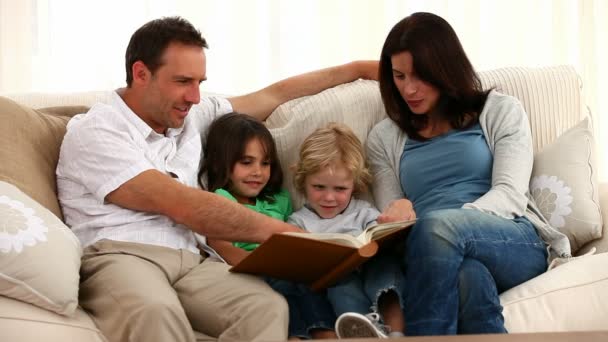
(150, 41)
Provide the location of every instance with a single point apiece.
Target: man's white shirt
(110, 145)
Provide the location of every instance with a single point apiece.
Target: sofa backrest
(550, 95)
(43, 100)
(552, 98)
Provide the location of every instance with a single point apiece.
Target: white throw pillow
(39, 255)
(564, 185)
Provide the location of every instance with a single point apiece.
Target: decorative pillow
(564, 185)
(357, 103)
(29, 148)
(39, 255)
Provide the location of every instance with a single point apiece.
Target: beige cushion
(570, 297)
(39, 255)
(23, 322)
(30, 140)
(565, 187)
(357, 103)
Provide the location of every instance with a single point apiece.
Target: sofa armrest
(600, 244)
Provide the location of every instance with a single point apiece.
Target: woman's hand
(398, 210)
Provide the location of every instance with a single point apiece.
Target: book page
(377, 231)
(337, 238)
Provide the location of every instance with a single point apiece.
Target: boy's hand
(398, 210)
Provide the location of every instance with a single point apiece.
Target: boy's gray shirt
(356, 217)
(506, 129)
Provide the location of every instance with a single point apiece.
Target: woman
(458, 158)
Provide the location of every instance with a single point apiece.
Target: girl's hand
(398, 210)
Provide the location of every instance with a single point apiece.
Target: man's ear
(141, 73)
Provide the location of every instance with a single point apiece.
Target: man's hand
(231, 254)
(399, 210)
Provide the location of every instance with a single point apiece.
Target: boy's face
(250, 174)
(328, 191)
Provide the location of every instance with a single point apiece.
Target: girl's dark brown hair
(439, 60)
(225, 145)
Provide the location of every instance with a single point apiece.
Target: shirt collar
(140, 124)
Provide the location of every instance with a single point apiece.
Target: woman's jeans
(307, 309)
(361, 290)
(457, 262)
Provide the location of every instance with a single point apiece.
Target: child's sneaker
(353, 325)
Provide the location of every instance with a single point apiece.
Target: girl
(330, 171)
(459, 158)
(241, 163)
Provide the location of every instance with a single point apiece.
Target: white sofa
(571, 297)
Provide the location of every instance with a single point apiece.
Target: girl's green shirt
(280, 208)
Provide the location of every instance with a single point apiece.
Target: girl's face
(420, 96)
(329, 190)
(250, 173)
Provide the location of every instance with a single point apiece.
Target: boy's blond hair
(328, 146)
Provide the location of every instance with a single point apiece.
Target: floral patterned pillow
(564, 185)
(39, 255)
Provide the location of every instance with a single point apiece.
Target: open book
(319, 259)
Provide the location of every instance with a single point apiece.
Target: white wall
(75, 45)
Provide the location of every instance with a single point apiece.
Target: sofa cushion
(357, 104)
(39, 255)
(565, 187)
(571, 297)
(20, 321)
(29, 149)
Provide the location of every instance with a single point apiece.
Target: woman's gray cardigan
(507, 131)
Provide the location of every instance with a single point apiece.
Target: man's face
(174, 87)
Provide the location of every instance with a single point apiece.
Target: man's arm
(206, 213)
(262, 102)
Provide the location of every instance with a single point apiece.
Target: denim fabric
(359, 291)
(458, 261)
(307, 309)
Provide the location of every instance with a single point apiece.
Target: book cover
(318, 260)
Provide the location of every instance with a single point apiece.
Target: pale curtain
(77, 45)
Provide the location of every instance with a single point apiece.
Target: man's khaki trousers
(139, 292)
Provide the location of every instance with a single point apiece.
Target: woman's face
(420, 96)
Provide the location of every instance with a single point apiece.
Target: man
(127, 186)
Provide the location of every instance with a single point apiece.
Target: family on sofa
(153, 241)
